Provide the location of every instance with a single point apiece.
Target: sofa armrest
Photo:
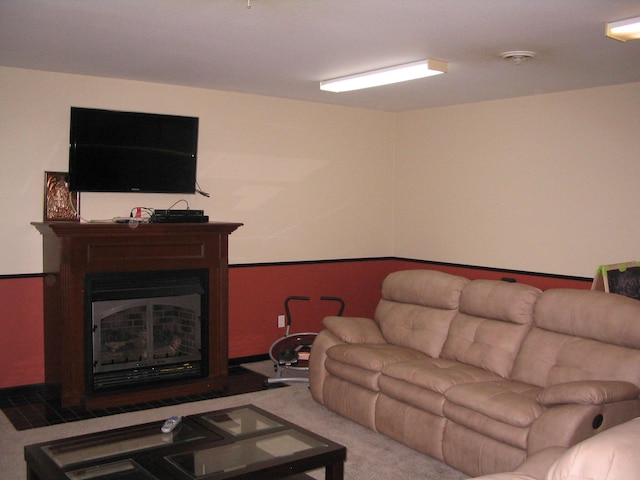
(610, 455)
(354, 329)
(588, 392)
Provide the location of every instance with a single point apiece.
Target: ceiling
(284, 48)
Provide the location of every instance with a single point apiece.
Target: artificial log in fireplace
(135, 313)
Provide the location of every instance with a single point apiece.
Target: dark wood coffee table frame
(197, 434)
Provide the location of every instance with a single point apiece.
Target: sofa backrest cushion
(493, 320)
(581, 335)
(416, 308)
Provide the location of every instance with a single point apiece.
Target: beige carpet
(370, 455)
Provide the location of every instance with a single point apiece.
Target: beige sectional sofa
(482, 374)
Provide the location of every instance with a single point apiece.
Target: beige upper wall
(309, 181)
(545, 183)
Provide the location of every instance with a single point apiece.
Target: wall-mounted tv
(114, 151)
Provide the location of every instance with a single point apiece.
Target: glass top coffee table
(243, 442)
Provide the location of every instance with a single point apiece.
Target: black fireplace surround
(145, 328)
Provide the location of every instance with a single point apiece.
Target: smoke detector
(518, 57)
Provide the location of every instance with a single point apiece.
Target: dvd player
(184, 213)
(179, 216)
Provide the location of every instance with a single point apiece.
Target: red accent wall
(257, 295)
(21, 332)
(256, 298)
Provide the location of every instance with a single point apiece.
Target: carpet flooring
(370, 455)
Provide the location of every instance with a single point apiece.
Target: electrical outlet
(280, 321)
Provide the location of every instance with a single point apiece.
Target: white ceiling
(284, 48)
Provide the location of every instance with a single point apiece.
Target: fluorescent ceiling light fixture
(624, 30)
(385, 76)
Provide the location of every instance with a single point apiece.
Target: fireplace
(145, 328)
(135, 313)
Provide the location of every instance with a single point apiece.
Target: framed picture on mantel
(59, 203)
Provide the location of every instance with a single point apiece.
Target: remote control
(170, 424)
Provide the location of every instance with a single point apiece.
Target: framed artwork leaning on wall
(620, 278)
(59, 203)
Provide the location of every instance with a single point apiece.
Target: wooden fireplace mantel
(72, 250)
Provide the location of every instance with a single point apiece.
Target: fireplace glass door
(155, 336)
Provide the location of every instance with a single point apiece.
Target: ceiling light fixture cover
(518, 57)
(624, 30)
(385, 76)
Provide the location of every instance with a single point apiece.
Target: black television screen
(113, 151)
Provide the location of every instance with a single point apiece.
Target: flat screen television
(114, 151)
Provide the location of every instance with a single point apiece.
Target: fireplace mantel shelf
(113, 228)
(72, 250)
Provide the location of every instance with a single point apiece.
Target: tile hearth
(39, 406)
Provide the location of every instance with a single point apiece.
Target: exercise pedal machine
(292, 351)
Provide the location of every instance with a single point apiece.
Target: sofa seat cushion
(412, 395)
(353, 375)
(363, 364)
(437, 374)
(509, 402)
(485, 427)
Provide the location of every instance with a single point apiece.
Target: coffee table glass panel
(242, 454)
(125, 470)
(241, 421)
(118, 442)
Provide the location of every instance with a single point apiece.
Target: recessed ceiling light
(385, 76)
(624, 30)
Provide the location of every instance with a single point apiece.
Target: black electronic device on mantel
(179, 216)
(114, 151)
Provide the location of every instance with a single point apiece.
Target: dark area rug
(39, 406)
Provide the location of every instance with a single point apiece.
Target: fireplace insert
(145, 327)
